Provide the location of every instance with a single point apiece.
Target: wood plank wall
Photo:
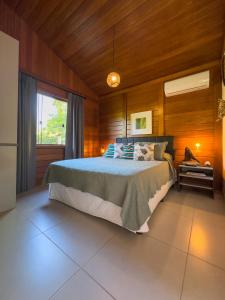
(37, 59)
(223, 131)
(190, 117)
(112, 118)
(147, 98)
(44, 156)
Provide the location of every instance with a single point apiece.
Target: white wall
(9, 66)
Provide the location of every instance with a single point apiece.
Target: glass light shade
(113, 79)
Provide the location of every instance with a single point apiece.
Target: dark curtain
(27, 118)
(75, 127)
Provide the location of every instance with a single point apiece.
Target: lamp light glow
(102, 150)
(197, 145)
(113, 79)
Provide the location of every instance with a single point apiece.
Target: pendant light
(113, 78)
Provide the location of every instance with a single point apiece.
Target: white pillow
(118, 150)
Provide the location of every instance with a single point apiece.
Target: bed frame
(150, 139)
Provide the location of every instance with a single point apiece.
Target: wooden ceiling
(153, 38)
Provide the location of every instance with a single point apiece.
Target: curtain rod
(59, 86)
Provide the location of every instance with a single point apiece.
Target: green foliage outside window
(51, 120)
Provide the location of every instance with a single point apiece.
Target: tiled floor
(51, 251)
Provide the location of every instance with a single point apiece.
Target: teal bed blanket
(127, 183)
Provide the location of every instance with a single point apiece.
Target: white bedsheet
(98, 207)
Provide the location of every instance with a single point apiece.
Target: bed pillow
(128, 151)
(118, 150)
(159, 150)
(144, 151)
(110, 151)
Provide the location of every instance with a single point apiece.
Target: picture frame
(141, 123)
(223, 68)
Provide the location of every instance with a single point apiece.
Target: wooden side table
(199, 177)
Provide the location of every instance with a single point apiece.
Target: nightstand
(199, 177)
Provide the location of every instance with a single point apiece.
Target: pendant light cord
(113, 46)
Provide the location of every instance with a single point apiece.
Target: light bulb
(113, 79)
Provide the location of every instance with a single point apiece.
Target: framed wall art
(141, 123)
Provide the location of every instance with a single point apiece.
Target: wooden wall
(190, 117)
(45, 155)
(223, 130)
(112, 118)
(38, 60)
(115, 111)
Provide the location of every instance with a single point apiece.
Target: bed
(125, 192)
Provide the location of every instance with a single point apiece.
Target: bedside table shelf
(196, 168)
(198, 186)
(196, 177)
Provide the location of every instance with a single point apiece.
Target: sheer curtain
(75, 127)
(26, 136)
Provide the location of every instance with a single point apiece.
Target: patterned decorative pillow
(144, 151)
(128, 151)
(118, 150)
(110, 151)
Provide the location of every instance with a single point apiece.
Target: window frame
(54, 96)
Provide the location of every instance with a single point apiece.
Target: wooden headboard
(150, 139)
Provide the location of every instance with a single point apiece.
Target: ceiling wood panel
(152, 38)
(43, 9)
(74, 22)
(106, 17)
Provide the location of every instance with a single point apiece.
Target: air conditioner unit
(187, 84)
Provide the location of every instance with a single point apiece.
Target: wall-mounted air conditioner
(187, 84)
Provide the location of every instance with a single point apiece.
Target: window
(51, 120)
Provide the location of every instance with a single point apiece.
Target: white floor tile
(82, 287)
(203, 281)
(49, 215)
(170, 227)
(205, 202)
(208, 242)
(138, 267)
(15, 230)
(33, 199)
(82, 236)
(127, 266)
(35, 271)
(211, 218)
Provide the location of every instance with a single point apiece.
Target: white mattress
(98, 207)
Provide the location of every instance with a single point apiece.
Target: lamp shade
(113, 79)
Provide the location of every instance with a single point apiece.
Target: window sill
(49, 146)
